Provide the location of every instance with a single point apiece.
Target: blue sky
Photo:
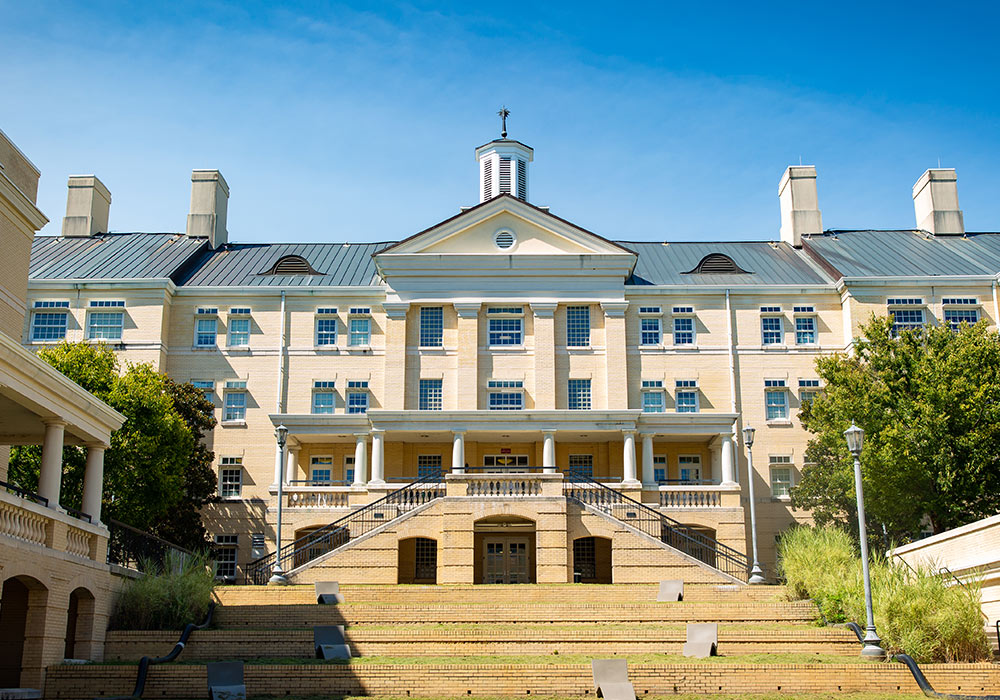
(658, 121)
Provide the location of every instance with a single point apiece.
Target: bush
(916, 612)
(178, 594)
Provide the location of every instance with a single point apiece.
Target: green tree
(929, 402)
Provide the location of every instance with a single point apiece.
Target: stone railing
(317, 497)
(23, 520)
(79, 542)
(512, 485)
(22, 524)
(699, 496)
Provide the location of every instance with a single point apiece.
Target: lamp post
(872, 644)
(277, 575)
(756, 573)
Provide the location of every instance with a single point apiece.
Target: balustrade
(78, 542)
(22, 524)
(504, 487)
(689, 497)
(317, 499)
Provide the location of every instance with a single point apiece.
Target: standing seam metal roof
(906, 253)
(111, 256)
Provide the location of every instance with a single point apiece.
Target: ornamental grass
(177, 594)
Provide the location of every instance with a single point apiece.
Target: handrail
(145, 662)
(688, 540)
(78, 514)
(130, 547)
(341, 531)
(24, 493)
(961, 583)
(926, 687)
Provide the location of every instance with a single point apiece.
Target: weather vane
(503, 114)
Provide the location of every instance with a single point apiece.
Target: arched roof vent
(717, 264)
(292, 265)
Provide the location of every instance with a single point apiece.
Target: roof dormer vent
(717, 264)
(292, 265)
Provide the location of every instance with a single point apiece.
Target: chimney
(209, 203)
(935, 202)
(799, 204)
(87, 206)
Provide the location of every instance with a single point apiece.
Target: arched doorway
(22, 608)
(318, 543)
(592, 559)
(504, 550)
(79, 625)
(417, 560)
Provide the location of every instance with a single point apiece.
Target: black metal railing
(24, 493)
(338, 533)
(689, 540)
(78, 514)
(141, 551)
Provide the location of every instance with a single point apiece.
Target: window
(506, 325)
(654, 310)
(428, 465)
(357, 401)
(205, 332)
(431, 326)
(361, 330)
(805, 330)
(105, 325)
(236, 401)
(208, 387)
(239, 332)
(907, 320)
(652, 396)
(230, 477)
(577, 326)
(781, 476)
(649, 329)
(908, 301)
(687, 395)
(349, 469)
(225, 556)
(683, 331)
(324, 400)
(956, 317)
(582, 464)
(689, 467)
(430, 395)
(808, 388)
(326, 325)
(660, 468)
(804, 309)
(321, 471)
(776, 399)
(771, 331)
(506, 394)
(118, 304)
(770, 309)
(579, 394)
(49, 325)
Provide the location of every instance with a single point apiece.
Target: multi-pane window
(105, 325)
(349, 469)
(686, 395)
(506, 325)
(324, 400)
(236, 401)
(430, 395)
(428, 465)
(49, 325)
(230, 477)
(776, 399)
(684, 331)
(781, 475)
(205, 332)
(805, 330)
(577, 326)
(506, 394)
(652, 396)
(239, 330)
(956, 317)
(361, 332)
(357, 396)
(225, 556)
(689, 468)
(906, 320)
(431, 326)
(771, 331)
(207, 387)
(808, 388)
(660, 468)
(326, 325)
(582, 464)
(321, 471)
(579, 394)
(649, 329)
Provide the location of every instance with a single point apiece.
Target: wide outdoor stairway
(504, 641)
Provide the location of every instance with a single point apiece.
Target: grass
(178, 594)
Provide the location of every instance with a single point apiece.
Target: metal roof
(241, 265)
(111, 256)
(906, 253)
(766, 262)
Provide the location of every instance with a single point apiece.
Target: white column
(648, 477)
(378, 458)
(628, 478)
(93, 482)
(715, 461)
(549, 451)
(292, 464)
(728, 462)
(50, 478)
(458, 452)
(361, 459)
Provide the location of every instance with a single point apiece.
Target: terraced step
(485, 640)
(308, 615)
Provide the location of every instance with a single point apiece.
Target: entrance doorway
(504, 550)
(516, 464)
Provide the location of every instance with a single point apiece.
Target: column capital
(629, 431)
(545, 309)
(647, 435)
(548, 431)
(103, 446)
(380, 432)
(459, 432)
(54, 422)
(361, 437)
(467, 309)
(396, 310)
(614, 309)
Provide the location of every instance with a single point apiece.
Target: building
(507, 347)
(56, 585)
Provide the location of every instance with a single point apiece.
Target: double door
(506, 560)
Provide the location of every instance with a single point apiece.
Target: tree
(929, 403)
(146, 468)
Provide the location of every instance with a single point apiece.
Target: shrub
(178, 594)
(916, 611)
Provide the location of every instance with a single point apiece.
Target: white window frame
(355, 336)
(681, 468)
(207, 314)
(230, 465)
(502, 315)
(431, 403)
(238, 317)
(355, 388)
(348, 469)
(578, 335)
(230, 545)
(806, 313)
(582, 382)
(811, 387)
(430, 462)
(653, 387)
(684, 314)
(323, 463)
(49, 307)
(767, 316)
(646, 335)
(106, 307)
(325, 339)
(687, 386)
(505, 395)
(322, 387)
(207, 387)
(660, 464)
(771, 386)
(780, 463)
(234, 387)
(950, 312)
(431, 329)
(895, 305)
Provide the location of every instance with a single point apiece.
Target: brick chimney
(799, 204)
(935, 202)
(87, 206)
(209, 204)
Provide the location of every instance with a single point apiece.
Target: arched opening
(417, 562)
(697, 541)
(592, 560)
(504, 550)
(22, 609)
(79, 625)
(314, 542)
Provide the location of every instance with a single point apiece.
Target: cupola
(503, 165)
